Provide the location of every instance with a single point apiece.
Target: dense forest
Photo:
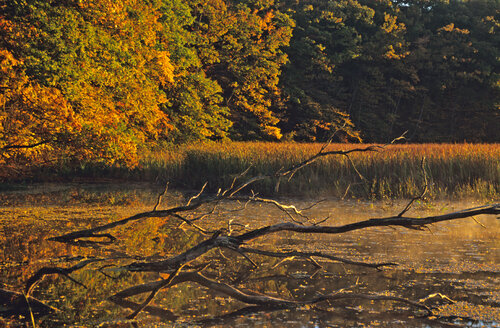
(103, 80)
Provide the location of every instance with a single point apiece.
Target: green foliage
(454, 54)
(344, 59)
(195, 103)
(427, 67)
(240, 46)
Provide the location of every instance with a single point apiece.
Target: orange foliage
(34, 120)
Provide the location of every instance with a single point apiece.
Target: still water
(459, 259)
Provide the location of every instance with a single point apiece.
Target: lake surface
(460, 259)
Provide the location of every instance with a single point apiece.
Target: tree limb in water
(235, 242)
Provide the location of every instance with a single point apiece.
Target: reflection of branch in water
(263, 303)
(260, 299)
(153, 310)
(226, 319)
(308, 255)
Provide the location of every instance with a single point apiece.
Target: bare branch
(438, 296)
(482, 225)
(43, 142)
(153, 310)
(197, 195)
(236, 241)
(242, 253)
(313, 205)
(158, 201)
(190, 222)
(231, 192)
(287, 209)
(242, 174)
(35, 279)
(164, 283)
(422, 194)
(262, 299)
(411, 223)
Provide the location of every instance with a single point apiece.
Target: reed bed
(452, 170)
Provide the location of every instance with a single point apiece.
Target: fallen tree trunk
(235, 242)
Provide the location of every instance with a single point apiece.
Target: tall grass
(453, 170)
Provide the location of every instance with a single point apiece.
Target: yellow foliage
(33, 119)
(451, 28)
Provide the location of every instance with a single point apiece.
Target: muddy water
(459, 259)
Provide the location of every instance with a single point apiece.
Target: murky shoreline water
(460, 259)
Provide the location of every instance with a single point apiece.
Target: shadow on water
(459, 259)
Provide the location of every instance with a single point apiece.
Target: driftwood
(235, 242)
(181, 269)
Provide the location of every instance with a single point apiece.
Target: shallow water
(460, 259)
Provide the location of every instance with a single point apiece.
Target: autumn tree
(103, 60)
(35, 121)
(196, 105)
(240, 44)
(100, 80)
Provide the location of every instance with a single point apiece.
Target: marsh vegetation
(458, 171)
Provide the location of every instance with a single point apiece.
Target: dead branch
(15, 304)
(422, 193)
(35, 279)
(289, 210)
(164, 284)
(406, 222)
(153, 310)
(437, 296)
(236, 241)
(197, 195)
(93, 232)
(158, 201)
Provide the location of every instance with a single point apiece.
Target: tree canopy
(101, 80)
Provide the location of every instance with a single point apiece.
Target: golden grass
(453, 170)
